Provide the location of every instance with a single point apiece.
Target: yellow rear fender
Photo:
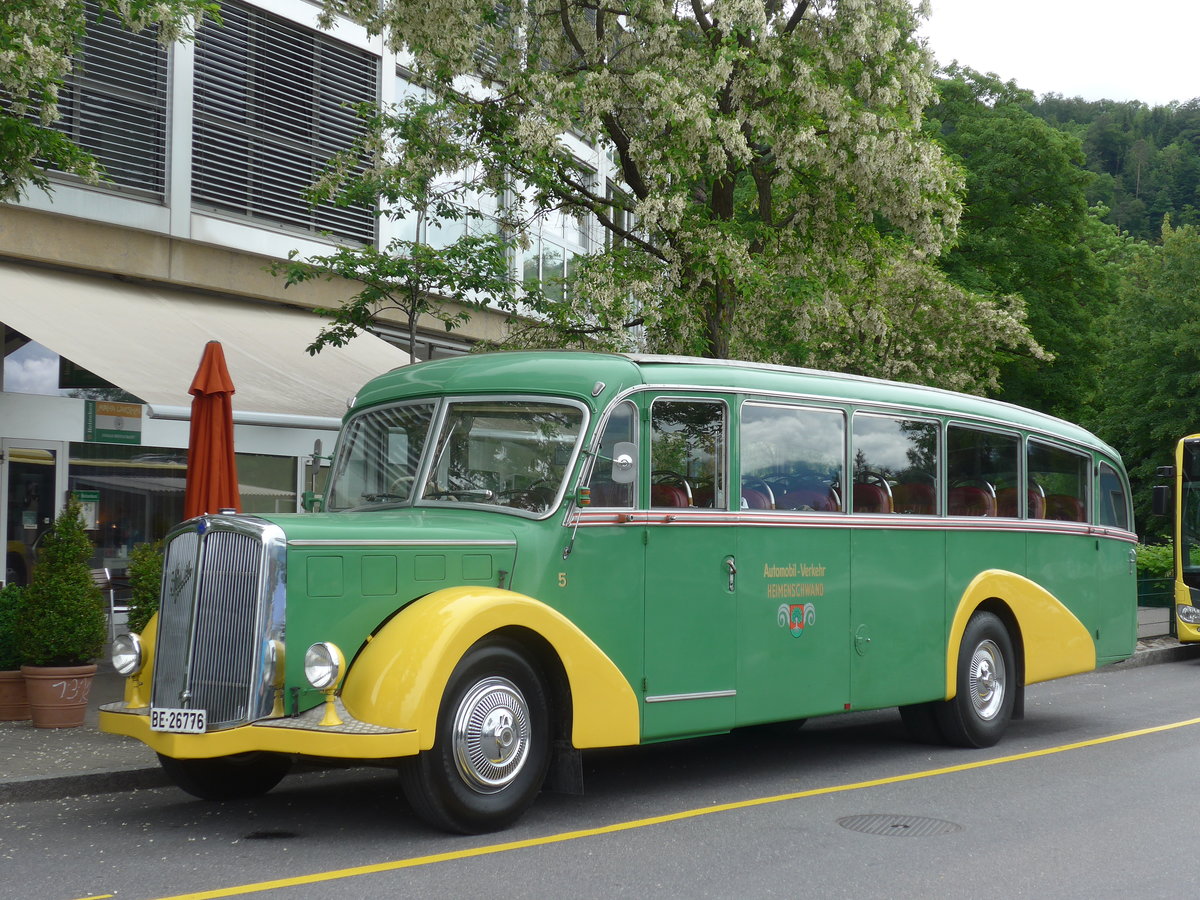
(1054, 641)
(398, 679)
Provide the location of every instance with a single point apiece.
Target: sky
(1146, 50)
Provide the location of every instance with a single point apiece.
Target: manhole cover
(903, 826)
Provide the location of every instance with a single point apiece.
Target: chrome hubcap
(491, 735)
(987, 680)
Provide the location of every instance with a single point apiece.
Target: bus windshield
(497, 452)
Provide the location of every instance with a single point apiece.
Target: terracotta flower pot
(14, 700)
(58, 695)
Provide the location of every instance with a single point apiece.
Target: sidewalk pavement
(52, 763)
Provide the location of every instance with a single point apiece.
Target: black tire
(227, 777)
(492, 747)
(986, 685)
(920, 719)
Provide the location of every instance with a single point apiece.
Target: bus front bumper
(303, 735)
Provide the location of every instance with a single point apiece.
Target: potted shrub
(14, 701)
(61, 630)
(145, 584)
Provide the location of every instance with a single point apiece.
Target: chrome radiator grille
(220, 612)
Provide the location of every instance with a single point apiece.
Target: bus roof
(595, 378)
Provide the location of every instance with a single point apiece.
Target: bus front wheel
(492, 747)
(986, 685)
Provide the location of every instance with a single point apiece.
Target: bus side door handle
(732, 566)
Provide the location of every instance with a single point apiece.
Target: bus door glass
(794, 563)
(690, 570)
(898, 557)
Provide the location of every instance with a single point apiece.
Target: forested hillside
(1146, 159)
(1087, 211)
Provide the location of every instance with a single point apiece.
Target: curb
(57, 787)
(1171, 652)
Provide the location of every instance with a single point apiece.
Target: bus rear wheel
(986, 685)
(237, 777)
(491, 750)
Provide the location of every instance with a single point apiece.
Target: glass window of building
(273, 102)
(114, 103)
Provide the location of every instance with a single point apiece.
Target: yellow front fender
(398, 679)
(1056, 643)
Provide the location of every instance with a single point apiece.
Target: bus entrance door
(690, 623)
(691, 571)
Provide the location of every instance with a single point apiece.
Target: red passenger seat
(1065, 508)
(803, 498)
(752, 499)
(969, 500)
(1006, 503)
(668, 495)
(914, 499)
(871, 498)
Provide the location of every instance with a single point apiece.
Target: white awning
(148, 341)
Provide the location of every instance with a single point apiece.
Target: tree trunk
(718, 319)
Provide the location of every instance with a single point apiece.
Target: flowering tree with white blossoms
(770, 152)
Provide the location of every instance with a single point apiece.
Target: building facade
(109, 292)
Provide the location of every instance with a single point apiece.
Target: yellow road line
(490, 849)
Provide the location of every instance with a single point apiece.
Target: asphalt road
(1089, 797)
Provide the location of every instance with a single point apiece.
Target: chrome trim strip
(347, 542)
(701, 695)
(706, 518)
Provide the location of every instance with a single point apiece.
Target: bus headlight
(1189, 615)
(323, 665)
(127, 654)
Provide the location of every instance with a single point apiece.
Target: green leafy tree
(1027, 232)
(39, 39)
(1151, 379)
(63, 620)
(766, 150)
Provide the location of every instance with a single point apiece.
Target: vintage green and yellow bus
(1181, 502)
(519, 556)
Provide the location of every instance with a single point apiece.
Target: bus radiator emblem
(796, 616)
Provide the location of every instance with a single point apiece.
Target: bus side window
(982, 473)
(792, 457)
(621, 428)
(895, 465)
(687, 453)
(1114, 505)
(1060, 478)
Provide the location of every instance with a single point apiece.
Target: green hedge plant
(145, 584)
(1155, 560)
(11, 599)
(64, 615)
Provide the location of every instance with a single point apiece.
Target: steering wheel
(532, 498)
